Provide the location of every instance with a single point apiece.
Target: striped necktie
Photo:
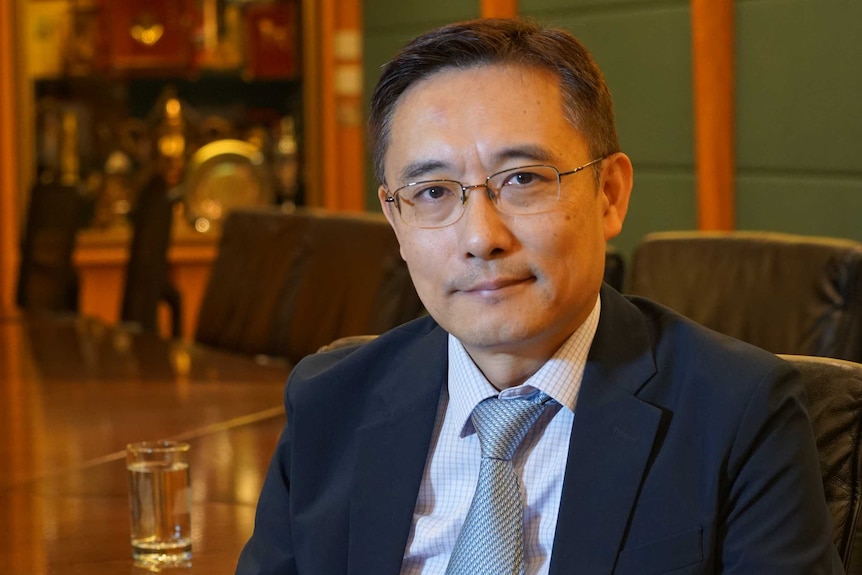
(491, 541)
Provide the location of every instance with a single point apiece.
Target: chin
(490, 335)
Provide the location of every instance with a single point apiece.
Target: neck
(505, 369)
(509, 365)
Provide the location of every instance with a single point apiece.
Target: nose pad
(465, 192)
(484, 211)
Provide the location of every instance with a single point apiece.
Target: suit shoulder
(687, 351)
(349, 366)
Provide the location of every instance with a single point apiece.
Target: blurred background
(243, 103)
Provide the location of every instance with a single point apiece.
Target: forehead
(476, 116)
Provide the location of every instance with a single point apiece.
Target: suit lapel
(390, 459)
(612, 439)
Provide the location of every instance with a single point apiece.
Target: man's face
(503, 284)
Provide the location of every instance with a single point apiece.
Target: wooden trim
(713, 59)
(9, 173)
(334, 115)
(350, 124)
(312, 111)
(328, 130)
(498, 8)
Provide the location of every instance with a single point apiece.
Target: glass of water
(160, 504)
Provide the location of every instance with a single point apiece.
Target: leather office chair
(46, 276)
(347, 341)
(285, 284)
(834, 390)
(147, 281)
(785, 293)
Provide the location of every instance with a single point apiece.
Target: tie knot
(501, 424)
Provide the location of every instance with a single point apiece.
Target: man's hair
(586, 100)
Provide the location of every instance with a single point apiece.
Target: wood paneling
(9, 180)
(350, 119)
(713, 59)
(333, 91)
(498, 8)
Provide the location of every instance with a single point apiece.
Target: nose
(483, 230)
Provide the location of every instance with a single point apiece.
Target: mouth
(496, 285)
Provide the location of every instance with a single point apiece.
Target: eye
(521, 179)
(429, 192)
(434, 192)
(525, 177)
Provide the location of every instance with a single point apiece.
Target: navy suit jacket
(690, 453)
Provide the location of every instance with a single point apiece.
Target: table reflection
(73, 392)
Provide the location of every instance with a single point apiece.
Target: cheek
(410, 242)
(572, 249)
(423, 255)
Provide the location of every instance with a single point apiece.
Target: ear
(615, 188)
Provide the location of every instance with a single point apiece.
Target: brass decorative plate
(221, 176)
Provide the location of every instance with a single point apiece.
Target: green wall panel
(824, 206)
(380, 48)
(644, 50)
(379, 14)
(581, 6)
(799, 84)
(646, 58)
(661, 200)
(798, 88)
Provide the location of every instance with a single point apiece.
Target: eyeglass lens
(437, 203)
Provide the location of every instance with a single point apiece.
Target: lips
(494, 284)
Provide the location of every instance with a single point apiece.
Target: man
(651, 445)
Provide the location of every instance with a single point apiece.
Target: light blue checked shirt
(452, 468)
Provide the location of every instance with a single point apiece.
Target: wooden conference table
(74, 392)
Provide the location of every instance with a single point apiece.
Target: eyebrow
(528, 152)
(418, 169)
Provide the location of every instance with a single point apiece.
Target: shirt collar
(560, 377)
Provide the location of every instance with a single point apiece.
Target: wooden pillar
(713, 59)
(312, 161)
(333, 98)
(9, 173)
(349, 117)
(498, 8)
(328, 127)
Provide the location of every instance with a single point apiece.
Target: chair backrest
(285, 284)
(834, 390)
(146, 281)
(785, 293)
(615, 268)
(348, 341)
(46, 276)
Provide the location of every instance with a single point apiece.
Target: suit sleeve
(777, 520)
(269, 551)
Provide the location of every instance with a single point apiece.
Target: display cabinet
(140, 84)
